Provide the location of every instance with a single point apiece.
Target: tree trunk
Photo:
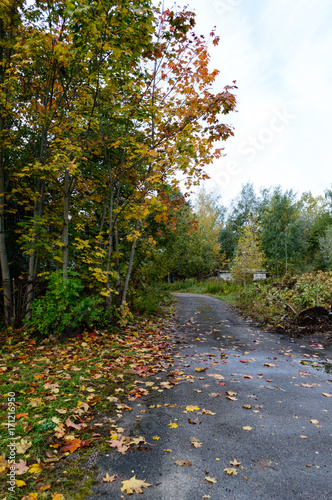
(65, 231)
(130, 266)
(5, 272)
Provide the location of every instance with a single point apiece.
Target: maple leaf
(23, 446)
(109, 479)
(21, 467)
(69, 424)
(211, 480)
(134, 485)
(119, 445)
(230, 471)
(192, 408)
(235, 463)
(71, 445)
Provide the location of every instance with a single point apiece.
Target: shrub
(64, 306)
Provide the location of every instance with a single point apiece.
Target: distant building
(257, 275)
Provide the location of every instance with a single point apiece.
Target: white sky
(280, 54)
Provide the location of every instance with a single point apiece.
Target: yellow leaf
(156, 438)
(327, 395)
(192, 408)
(247, 428)
(134, 485)
(20, 483)
(230, 471)
(172, 425)
(211, 480)
(35, 469)
(235, 463)
(31, 496)
(168, 450)
(314, 421)
(109, 479)
(58, 496)
(247, 407)
(195, 442)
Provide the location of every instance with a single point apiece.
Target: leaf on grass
(182, 463)
(35, 469)
(42, 487)
(58, 496)
(211, 480)
(23, 446)
(19, 483)
(230, 471)
(69, 423)
(172, 425)
(31, 496)
(109, 479)
(21, 467)
(4, 466)
(134, 485)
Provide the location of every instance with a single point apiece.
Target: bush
(147, 300)
(64, 306)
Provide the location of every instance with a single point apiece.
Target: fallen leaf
(4, 466)
(206, 412)
(134, 485)
(195, 442)
(215, 375)
(231, 393)
(268, 364)
(200, 369)
(71, 445)
(308, 385)
(31, 496)
(247, 407)
(211, 480)
(172, 425)
(231, 398)
(230, 471)
(247, 428)
(21, 467)
(23, 446)
(314, 421)
(194, 422)
(58, 496)
(35, 469)
(156, 438)
(109, 479)
(184, 463)
(19, 483)
(327, 395)
(192, 408)
(235, 463)
(214, 394)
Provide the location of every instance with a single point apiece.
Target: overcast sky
(280, 54)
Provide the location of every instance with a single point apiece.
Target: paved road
(282, 436)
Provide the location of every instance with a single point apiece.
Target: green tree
(249, 256)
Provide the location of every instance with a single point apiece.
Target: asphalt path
(253, 402)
